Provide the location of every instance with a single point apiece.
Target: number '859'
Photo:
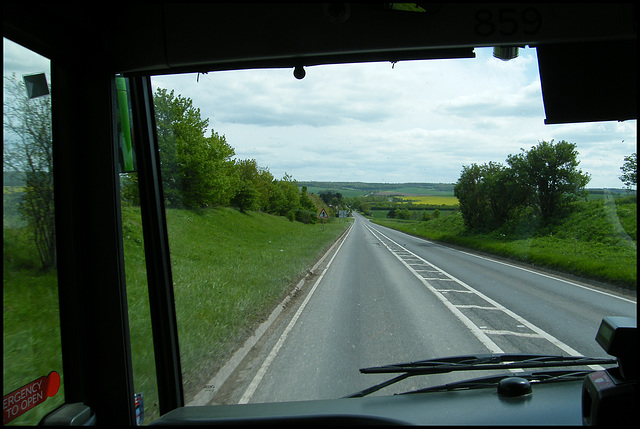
(507, 22)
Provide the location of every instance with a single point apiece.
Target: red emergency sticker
(25, 398)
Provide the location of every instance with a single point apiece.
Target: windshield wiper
(492, 381)
(474, 363)
(485, 362)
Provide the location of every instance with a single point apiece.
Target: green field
(598, 240)
(360, 189)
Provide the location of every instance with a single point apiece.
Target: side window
(32, 378)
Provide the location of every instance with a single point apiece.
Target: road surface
(384, 297)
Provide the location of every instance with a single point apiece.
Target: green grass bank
(230, 270)
(598, 240)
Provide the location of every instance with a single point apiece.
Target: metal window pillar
(161, 298)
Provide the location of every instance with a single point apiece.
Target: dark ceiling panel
(585, 82)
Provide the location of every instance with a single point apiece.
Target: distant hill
(355, 189)
(609, 193)
(352, 189)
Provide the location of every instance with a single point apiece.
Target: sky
(412, 121)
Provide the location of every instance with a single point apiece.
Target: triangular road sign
(323, 214)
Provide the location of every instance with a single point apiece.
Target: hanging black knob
(299, 72)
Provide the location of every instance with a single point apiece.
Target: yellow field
(435, 200)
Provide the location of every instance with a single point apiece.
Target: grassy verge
(229, 270)
(597, 240)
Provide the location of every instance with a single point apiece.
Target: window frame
(94, 323)
(157, 256)
(92, 292)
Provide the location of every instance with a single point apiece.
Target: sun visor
(589, 82)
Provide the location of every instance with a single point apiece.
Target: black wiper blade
(377, 387)
(486, 362)
(492, 381)
(474, 363)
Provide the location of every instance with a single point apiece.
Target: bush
(305, 216)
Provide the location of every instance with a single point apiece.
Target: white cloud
(416, 121)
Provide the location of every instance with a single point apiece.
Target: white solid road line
(246, 397)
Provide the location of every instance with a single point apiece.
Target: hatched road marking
(482, 333)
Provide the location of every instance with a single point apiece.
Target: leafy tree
(196, 170)
(488, 194)
(329, 196)
(630, 171)
(306, 213)
(305, 200)
(355, 203)
(264, 184)
(246, 195)
(27, 150)
(503, 193)
(276, 199)
(365, 207)
(290, 201)
(549, 175)
(403, 213)
(199, 171)
(471, 198)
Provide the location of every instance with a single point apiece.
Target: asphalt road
(385, 297)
